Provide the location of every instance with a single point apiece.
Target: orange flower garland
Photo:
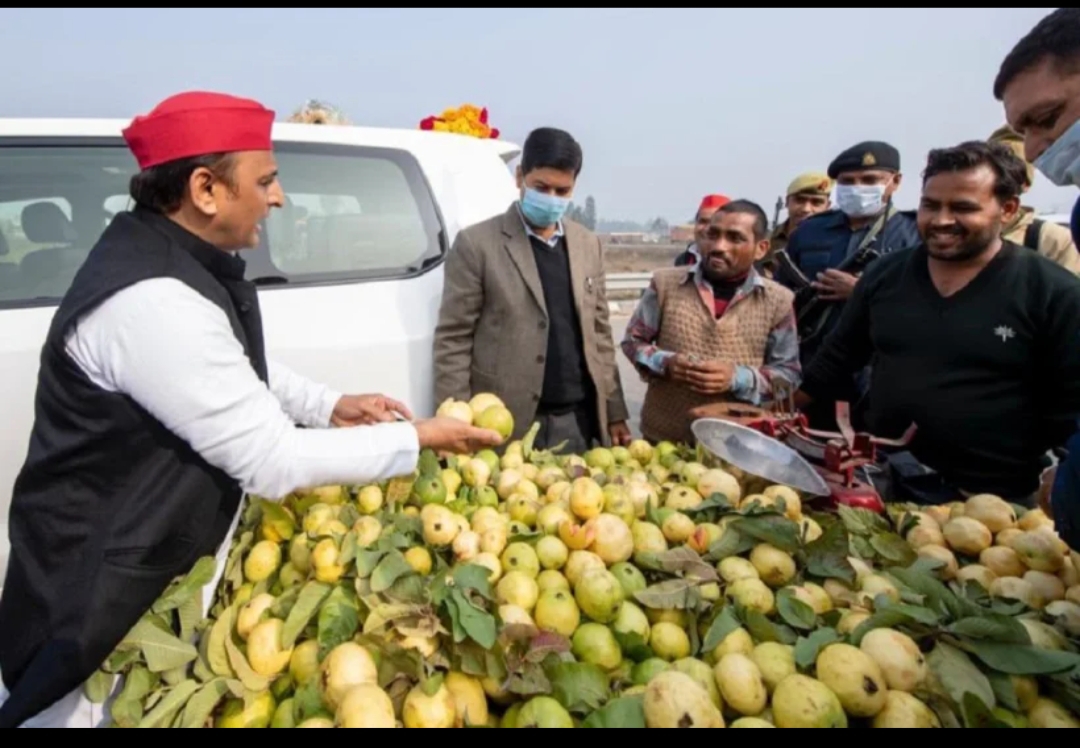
(465, 120)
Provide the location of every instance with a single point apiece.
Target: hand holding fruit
(449, 435)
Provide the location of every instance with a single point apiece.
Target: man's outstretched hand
(451, 436)
(367, 410)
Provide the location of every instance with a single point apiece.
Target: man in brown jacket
(524, 314)
(715, 333)
(1052, 241)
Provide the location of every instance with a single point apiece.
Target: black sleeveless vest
(109, 506)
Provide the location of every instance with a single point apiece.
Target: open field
(640, 258)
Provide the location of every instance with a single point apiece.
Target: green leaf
(1017, 659)
(977, 715)
(190, 614)
(684, 561)
(761, 629)
(885, 619)
(827, 556)
(936, 595)
(431, 686)
(339, 620)
(99, 686)
(893, 548)
(1004, 691)
(915, 613)
(349, 515)
(307, 605)
(731, 543)
(179, 592)
(958, 675)
(251, 680)
(808, 647)
(795, 612)
(428, 465)
(127, 709)
(203, 704)
(161, 650)
(166, 710)
(366, 562)
(477, 624)
(722, 626)
(217, 655)
(674, 594)
(626, 713)
(307, 702)
(529, 440)
(392, 568)
(862, 521)
(475, 578)
(779, 532)
(580, 687)
(349, 548)
(992, 628)
(634, 646)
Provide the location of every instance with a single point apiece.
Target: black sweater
(991, 375)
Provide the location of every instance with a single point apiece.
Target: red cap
(714, 201)
(198, 123)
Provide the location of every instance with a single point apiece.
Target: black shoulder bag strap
(1031, 234)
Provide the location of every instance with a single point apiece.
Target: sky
(668, 104)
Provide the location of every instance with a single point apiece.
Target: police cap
(811, 183)
(865, 156)
(1010, 137)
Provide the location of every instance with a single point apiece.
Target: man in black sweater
(973, 339)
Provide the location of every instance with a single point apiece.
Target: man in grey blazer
(524, 314)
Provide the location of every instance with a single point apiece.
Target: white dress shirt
(174, 353)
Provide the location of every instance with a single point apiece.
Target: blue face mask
(542, 210)
(1060, 163)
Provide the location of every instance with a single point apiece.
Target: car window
(351, 214)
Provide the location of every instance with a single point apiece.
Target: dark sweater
(567, 384)
(991, 375)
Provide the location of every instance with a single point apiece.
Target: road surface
(633, 387)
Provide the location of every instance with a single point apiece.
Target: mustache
(952, 231)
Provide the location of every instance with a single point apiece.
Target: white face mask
(860, 200)
(1060, 163)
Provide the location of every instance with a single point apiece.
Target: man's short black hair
(1056, 37)
(750, 208)
(161, 188)
(550, 148)
(1009, 169)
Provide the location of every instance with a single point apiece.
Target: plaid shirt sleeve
(755, 385)
(639, 344)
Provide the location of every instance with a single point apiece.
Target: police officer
(807, 195)
(830, 249)
(1052, 241)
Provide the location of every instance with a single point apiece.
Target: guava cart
(779, 445)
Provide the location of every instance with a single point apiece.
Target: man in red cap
(709, 205)
(156, 410)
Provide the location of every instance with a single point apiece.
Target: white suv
(350, 269)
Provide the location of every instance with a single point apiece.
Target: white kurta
(174, 353)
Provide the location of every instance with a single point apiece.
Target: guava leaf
(349, 549)
(190, 615)
(674, 594)
(893, 548)
(1018, 659)
(579, 686)
(1004, 691)
(202, 704)
(991, 628)
(915, 613)
(529, 680)
(127, 709)
(795, 612)
(936, 595)
(284, 605)
(470, 621)
(977, 715)
(545, 644)
(166, 710)
(367, 561)
(686, 561)
(779, 532)
(826, 557)
(339, 620)
(862, 521)
(808, 648)
(731, 543)
(626, 713)
(251, 680)
(529, 440)
(886, 619)
(99, 686)
(476, 578)
(161, 650)
(307, 605)
(926, 565)
(634, 646)
(349, 515)
(190, 586)
(392, 568)
(431, 686)
(307, 701)
(761, 629)
(958, 675)
(721, 627)
(120, 660)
